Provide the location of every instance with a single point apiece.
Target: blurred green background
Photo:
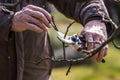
(94, 71)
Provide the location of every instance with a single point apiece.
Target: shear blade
(66, 40)
(62, 35)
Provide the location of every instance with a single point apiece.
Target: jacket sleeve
(5, 23)
(81, 10)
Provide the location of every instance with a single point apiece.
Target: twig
(68, 28)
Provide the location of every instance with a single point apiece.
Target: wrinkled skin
(96, 31)
(31, 18)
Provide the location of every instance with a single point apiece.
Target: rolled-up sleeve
(5, 23)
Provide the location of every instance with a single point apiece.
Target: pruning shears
(77, 41)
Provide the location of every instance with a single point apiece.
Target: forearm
(81, 10)
(5, 23)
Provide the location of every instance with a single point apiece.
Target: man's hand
(96, 31)
(31, 18)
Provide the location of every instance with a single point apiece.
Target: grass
(96, 71)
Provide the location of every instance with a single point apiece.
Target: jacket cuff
(95, 10)
(5, 23)
(91, 14)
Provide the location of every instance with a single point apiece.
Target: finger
(41, 10)
(38, 15)
(96, 39)
(94, 58)
(33, 27)
(41, 17)
(37, 22)
(102, 52)
(106, 50)
(89, 38)
(105, 47)
(101, 55)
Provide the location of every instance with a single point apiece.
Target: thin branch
(115, 44)
(53, 24)
(68, 28)
(64, 51)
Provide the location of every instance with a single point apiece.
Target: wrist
(98, 23)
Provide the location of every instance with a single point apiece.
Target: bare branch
(68, 28)
(115, 44)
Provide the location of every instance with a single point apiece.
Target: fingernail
(50, 25)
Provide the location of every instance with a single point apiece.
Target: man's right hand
(31, 18)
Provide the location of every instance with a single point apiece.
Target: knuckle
(29, 6)
(50, 16)
(22, 17)
(26, 10)
(40, 8)
(41, 15)
(32, 7)
(106, 47)
(26, 18)
(88, 33)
